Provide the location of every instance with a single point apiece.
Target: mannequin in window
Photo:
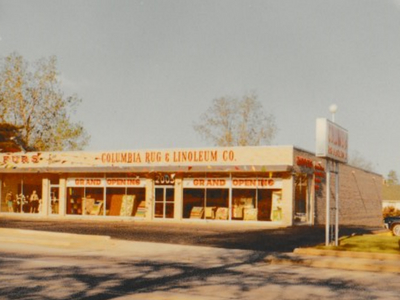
(10, 201)
(34, 201)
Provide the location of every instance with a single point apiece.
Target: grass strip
(376, 243)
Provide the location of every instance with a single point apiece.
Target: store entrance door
(302, 207)
(164, 202)
(54, 199)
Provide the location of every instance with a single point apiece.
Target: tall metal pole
(337, 204)
(327, 216)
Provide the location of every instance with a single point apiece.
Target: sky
(147, 70)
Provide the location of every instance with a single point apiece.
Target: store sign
(260, 183)
(125, 182)
(311, 166)
(332, 140)
(149, 160)
(106, 182)
(206, 182)
(164, 179)
(237, 183)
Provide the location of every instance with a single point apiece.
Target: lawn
(377, 243)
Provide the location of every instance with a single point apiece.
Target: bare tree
(359, 161)
(237, 122)
(31, 98)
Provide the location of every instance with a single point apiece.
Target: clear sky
(146, 70)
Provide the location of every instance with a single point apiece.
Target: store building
(280, 185)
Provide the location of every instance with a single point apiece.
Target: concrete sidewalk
(46, 238)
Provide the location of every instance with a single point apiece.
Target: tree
(236, 122)
(31, 99)
(10, 139)
(392, 178)
(357, 160)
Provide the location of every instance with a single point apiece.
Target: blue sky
(146, 70)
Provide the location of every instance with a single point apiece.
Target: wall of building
(360, 191)
(360, 200)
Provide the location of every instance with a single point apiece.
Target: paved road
(229, 236)
(115, 269)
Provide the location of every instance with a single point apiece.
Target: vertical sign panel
(332, 141)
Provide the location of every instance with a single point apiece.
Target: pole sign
(332, 141)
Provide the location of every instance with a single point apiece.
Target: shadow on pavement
(221, 236)
(110, 280)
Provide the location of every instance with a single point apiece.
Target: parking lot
(68, 266)
(218, 234)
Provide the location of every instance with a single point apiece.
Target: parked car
(393, 223)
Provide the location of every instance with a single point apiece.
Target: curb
(330, 259)
(349, 254)
(47, 238)
(50, 234)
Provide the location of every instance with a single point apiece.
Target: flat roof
(218, 159)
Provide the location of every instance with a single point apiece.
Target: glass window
(21, 193)
(244, 205)
(54, 199)
(264, 205)
(100, 196)
(85, 201)
(300, 201)
(164, 202)
(192, 198)
(217, 204)
(126, 202)
(75, 197)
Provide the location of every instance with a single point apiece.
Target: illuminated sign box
(332, 140)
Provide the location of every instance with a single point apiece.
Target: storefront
(269, 185)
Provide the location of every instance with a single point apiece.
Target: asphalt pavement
(90, 259)
(256, 237)
(52, 265)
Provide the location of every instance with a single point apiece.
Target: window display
(22, 194)
(241, 199)
(192, 198)
(54, 199)
(106, 197)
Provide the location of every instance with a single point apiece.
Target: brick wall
(360, 194)
(360, 198)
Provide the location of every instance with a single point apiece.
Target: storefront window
(22, 194)
(54, 199)
(193, 198)
(206, 198)
(252, 199)
(106, 196)
(244, 204)
(75, 197)
(126, 202)
(217, 204)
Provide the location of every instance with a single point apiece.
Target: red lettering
(79, 181)
(228, 155)
(305, 162)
